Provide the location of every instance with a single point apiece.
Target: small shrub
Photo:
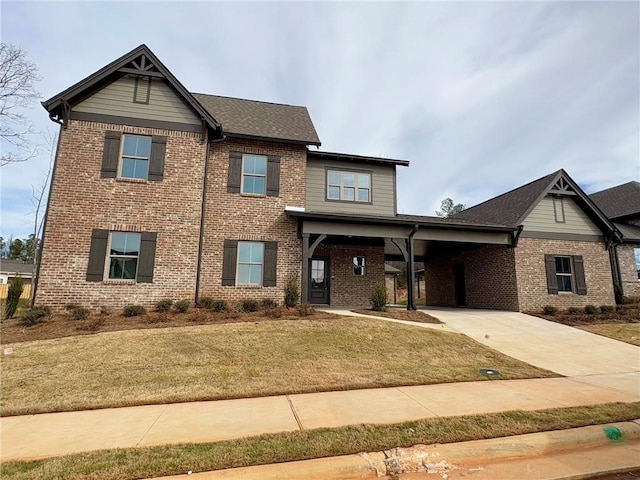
(292, 292)
(105, 310)
(182, 306)
(164, 305)
(80, 313)
(305, 310)
(266, 303)
(219, 306)
(379, 298)
(607, 308)
(34, 315)
(13, 297)
(70, 307)
(134, 311)
(249, 305)
(575, 310)
(549, 310)
(273, 312)
(590, 309)
(206, 302)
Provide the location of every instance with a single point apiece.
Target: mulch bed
(626, 314)
(61, 325)
(411, 315)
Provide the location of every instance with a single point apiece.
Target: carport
(405, 238)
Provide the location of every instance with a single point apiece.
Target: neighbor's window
(558, 209)
(348, 186)
(250, 260)
(358, 266)
(636, 252)
(254, 174)
(136, 150)
(124, 250)
(564, 274)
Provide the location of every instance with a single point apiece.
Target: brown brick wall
(82, 201)
(235, 216)
(346, 288)
(489, 278)
(532, 280)
(628, 269)
(390, 284)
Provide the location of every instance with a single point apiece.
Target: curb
(439, 458)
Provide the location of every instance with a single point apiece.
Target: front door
(458, 280)
(319, 280)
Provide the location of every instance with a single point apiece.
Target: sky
(480, 97)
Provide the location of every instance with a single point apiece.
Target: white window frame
(342, 186)
(636, 256)
(133, 157)
(564, 274)
(238, 263)
(359, 266)
(254, 175)
(107, 266)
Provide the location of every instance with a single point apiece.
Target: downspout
(34, 286)
(411, 271)
(612, 245)
(203, 209)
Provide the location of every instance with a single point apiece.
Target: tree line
(19, 248)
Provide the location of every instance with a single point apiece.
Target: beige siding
(117, 99)
(382, 189)
(542, 219)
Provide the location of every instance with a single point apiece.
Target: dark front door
(319, 280)
(458, 280)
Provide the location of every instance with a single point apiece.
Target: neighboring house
(621, 204)
(9, 269)
(162, 193)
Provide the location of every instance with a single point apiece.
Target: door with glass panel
(319, 280)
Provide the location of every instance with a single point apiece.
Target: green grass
(126, 464)
(209, 362)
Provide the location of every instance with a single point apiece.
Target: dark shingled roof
(16, 266)
(250, 118)
(508, 208)
(619, 201)
(447, 221)
(630, 233)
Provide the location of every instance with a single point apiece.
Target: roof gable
(513, 207)
(619, 201)
(139, 61)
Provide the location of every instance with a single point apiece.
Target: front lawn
(625, 332)
(232, 360)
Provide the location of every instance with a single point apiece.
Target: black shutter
(270, 264)
(552, 281)
(235, 172)
(156, 159)
(110, 154)
(229, 259)
(97, 255)
(147, 257)
(273, 176)
(578, 274)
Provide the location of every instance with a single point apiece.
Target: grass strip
(125, 464)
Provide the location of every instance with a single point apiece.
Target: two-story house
(622, 205)
(158, 192)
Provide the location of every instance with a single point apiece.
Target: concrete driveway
(561, 349)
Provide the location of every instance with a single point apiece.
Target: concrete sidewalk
(55, 434)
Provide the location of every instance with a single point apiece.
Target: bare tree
(449, 208)
(18, 76)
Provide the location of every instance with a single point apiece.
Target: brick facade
(81, 200)
(628, 269)
(346, 288)
(235, 216)
(489, 278)
(531, 274)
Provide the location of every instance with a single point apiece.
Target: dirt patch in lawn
(61, 325)
(410, 315)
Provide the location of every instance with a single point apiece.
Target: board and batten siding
(542, 219)
(117, 99)
(382, 189)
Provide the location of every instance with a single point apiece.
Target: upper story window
(349, 186)
(124, 249)
(254, 174)
(136, 151)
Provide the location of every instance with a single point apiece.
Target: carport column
(411, 271)
(304, 294)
